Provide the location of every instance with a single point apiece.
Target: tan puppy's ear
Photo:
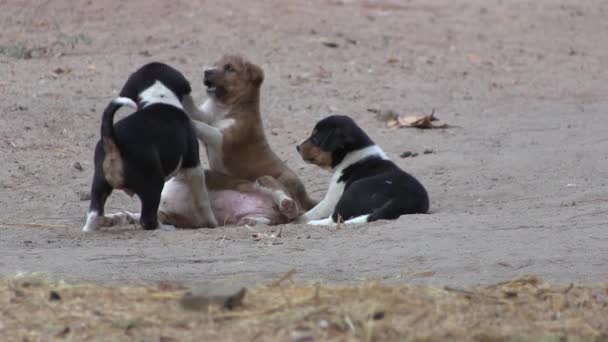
(256, 74)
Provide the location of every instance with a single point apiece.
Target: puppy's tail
(112, 164)
(107, 120)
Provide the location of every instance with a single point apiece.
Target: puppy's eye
(229, 67)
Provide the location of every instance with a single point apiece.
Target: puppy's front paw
(167, 227)
(324, 222)
(288, 207)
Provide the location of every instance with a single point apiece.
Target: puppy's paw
(324, 222)
(167, 227)
(288, 207)
(252, 221)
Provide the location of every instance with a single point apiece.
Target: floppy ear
(256, 74)
(331, 140)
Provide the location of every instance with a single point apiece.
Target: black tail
(107, 120)
(112, 163)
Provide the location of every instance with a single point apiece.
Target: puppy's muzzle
(208, 77)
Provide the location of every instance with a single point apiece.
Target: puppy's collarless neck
(358, 155)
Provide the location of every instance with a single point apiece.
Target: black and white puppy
(366, 186)
(141, 152)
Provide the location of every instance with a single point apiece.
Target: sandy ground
(518, 188)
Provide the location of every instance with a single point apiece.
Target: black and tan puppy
(230, 125)
(145, 149)
(366, 186)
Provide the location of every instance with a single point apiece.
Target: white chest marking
(159, 93)
(214, 109)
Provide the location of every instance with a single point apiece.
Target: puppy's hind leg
(150, 200)
(270, 186)
(195, 177)
(100, 190)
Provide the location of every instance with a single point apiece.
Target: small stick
(340, 222)
(284, 277)
(31, 225)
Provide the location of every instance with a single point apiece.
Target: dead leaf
(416, 121)
(91, 68)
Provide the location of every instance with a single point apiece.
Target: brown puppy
(230, 125)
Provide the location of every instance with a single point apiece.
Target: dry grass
(520, 310)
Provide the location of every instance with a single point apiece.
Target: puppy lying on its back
(366, 186)
(145, 149)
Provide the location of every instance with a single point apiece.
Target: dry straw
(526, 309)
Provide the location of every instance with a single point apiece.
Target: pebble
(408, 154)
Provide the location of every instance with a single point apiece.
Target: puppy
(366, 186)
(230, 125)
(145, 149)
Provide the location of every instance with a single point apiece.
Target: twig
(284, 277)
(340, 222)
(31, 225)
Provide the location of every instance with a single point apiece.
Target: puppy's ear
(331, 140)
(256, 74)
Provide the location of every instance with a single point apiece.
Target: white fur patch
(212, 138)
(328, 204)
(359, 155)
(330, 222)
(91, 223)
(324, 222)
(125, 101)
(159, 93)
(224, 124)
(215, 110)
(358, 220)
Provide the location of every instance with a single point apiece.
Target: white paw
(166, 227)
(324, 222)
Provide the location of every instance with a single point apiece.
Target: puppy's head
(233, 80)
(156, 83)
(331, 140)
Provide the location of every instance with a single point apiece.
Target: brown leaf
(419, 121)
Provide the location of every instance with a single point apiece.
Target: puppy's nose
(298, 148)
(209, 73)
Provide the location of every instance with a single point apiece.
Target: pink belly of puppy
(231, 207)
